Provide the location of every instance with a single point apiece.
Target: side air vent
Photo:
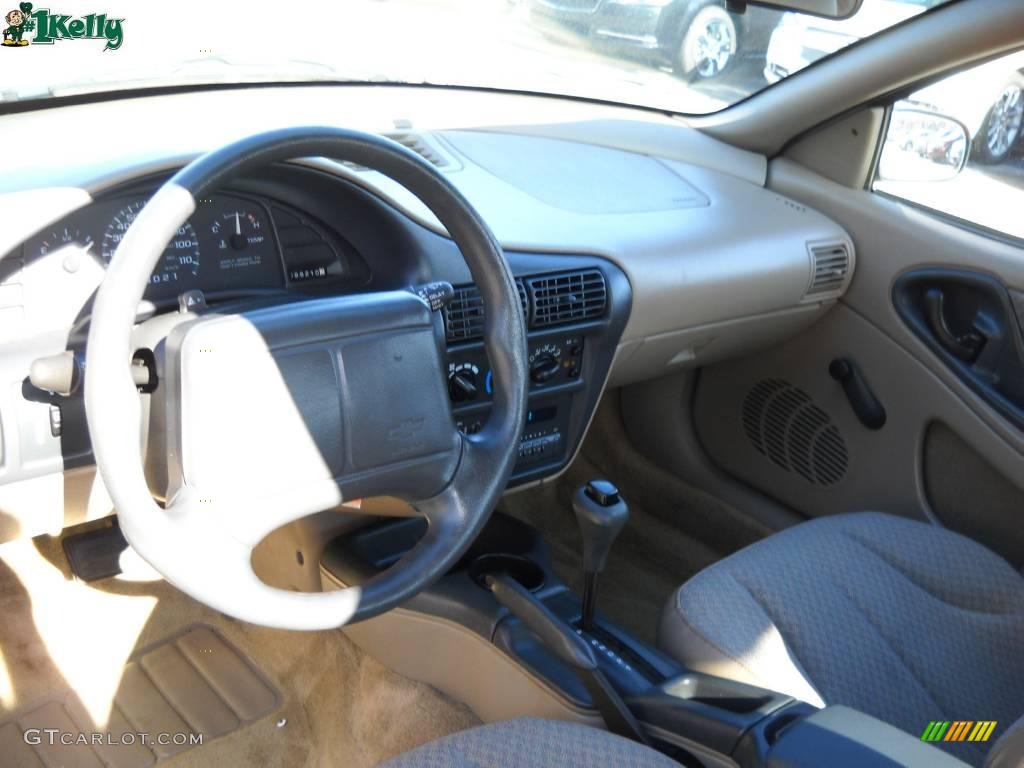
(567, 298)
(464, 314)
(830, 265)
(784, 424)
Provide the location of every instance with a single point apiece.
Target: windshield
(688, 56)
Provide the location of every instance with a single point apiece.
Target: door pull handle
(965, 346)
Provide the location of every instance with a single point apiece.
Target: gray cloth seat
(532, 743)
(904, 621)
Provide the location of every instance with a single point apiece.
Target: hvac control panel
(556, 373)
(554, 360)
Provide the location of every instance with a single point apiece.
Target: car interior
(420, 424)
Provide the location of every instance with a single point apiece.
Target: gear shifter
(600, 514)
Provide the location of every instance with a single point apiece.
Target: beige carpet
(340, 707)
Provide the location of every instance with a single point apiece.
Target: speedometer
(180, 262)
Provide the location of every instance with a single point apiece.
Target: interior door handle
(965, 346)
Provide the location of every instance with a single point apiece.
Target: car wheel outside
(707, 44)
(1003, 125)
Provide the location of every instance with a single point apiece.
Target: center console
(547, 421)
(503, 634)
(503, 599)
(574, 320)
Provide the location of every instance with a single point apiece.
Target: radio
(543, 439)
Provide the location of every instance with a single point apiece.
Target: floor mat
(339, 707)
(182, 693)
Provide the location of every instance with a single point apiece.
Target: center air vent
(464, 314)
(830, 265)
(567, 298)
(564, 297)
(785, 425)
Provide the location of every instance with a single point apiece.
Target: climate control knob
(462, 386)
(544, 368)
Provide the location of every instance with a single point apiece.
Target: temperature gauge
(238, 231)
(241, 239)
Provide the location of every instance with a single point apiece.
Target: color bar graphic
(959, 730)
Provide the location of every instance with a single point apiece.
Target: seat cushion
(899, 619)
(532, 743)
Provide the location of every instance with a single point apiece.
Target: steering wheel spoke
(278, 413)
(219, 557)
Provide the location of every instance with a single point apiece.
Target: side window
(957, 147)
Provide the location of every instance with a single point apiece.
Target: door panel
(896, 238)
(949, 449)
(968, 495)
(781, 423)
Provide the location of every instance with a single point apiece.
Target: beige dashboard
(717, 263)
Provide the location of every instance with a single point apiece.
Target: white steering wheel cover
(193, 547)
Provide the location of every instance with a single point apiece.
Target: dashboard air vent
(831, 266)
(567, 298)
(464, 314)
(426, 149)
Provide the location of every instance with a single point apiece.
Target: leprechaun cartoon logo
(19, 22)
(50, 27)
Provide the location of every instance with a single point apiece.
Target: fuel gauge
(61, 238)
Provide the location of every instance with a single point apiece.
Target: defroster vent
(570, 297)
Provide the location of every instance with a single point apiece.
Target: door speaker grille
(784, 424)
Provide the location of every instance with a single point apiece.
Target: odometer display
(178, 269)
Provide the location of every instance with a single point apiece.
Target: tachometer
(180, 263)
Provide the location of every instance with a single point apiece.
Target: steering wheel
(277, 413)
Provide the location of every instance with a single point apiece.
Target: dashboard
(639, 246)
(231, 244)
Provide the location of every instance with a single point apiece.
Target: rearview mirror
(830, 9)
(923, 146)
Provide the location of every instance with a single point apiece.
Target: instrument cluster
(231, 243)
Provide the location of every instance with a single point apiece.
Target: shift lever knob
(600, 514)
